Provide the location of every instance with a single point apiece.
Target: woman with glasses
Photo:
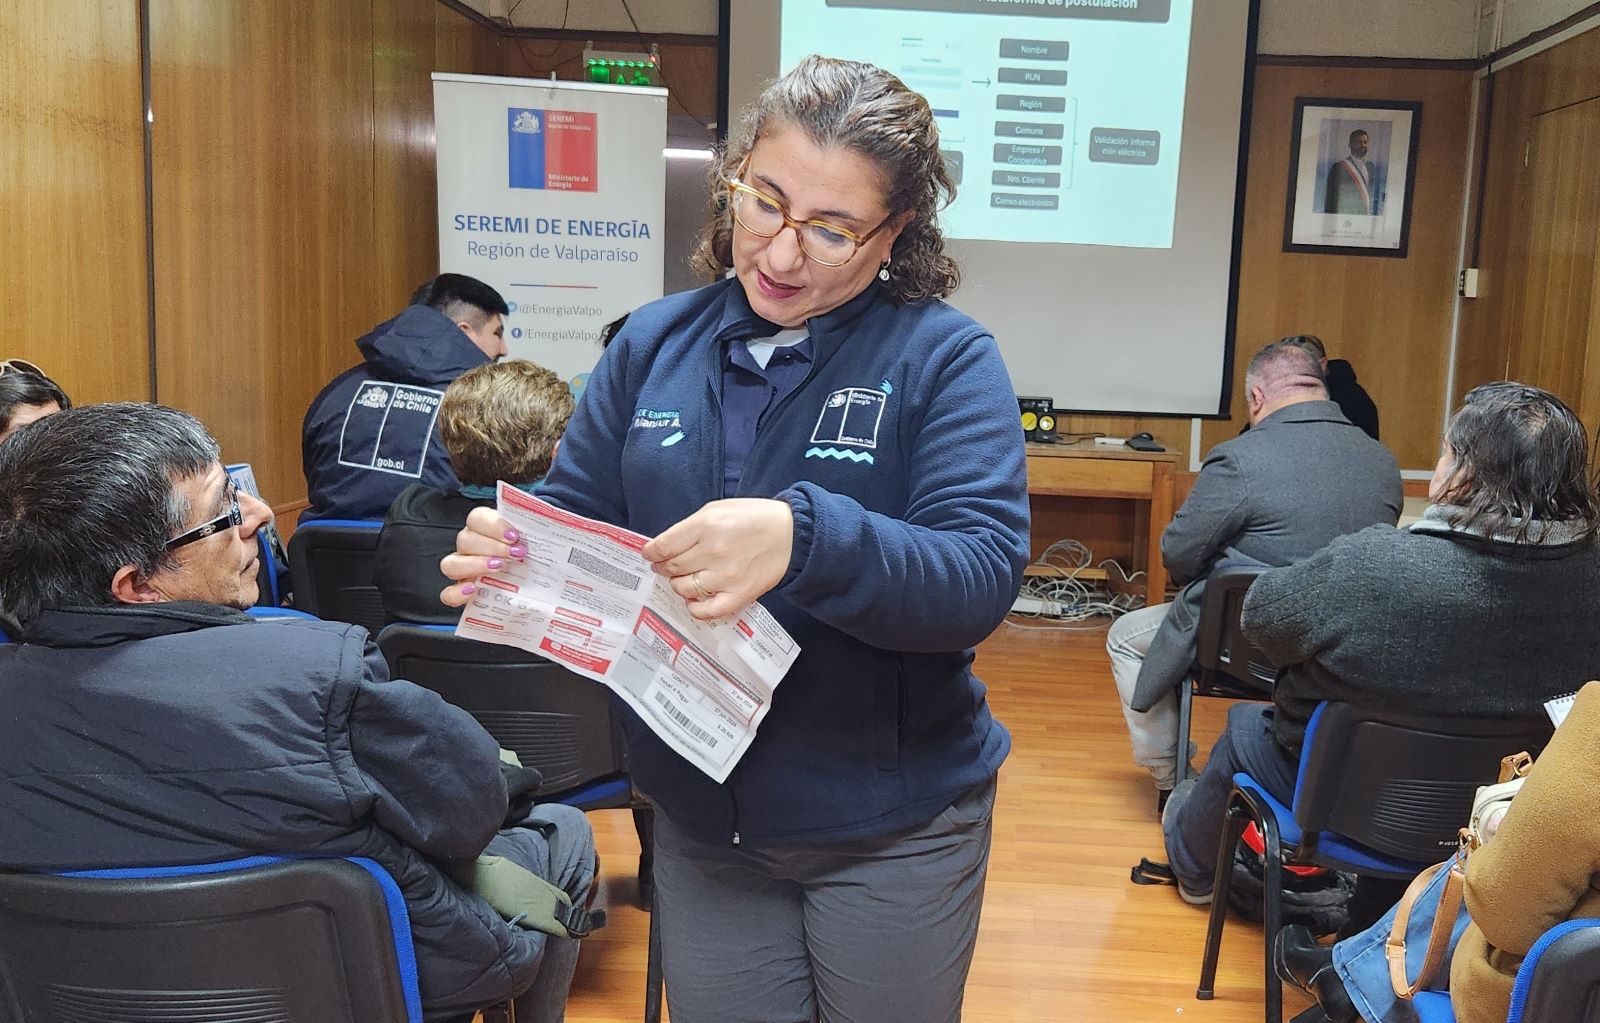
(26, 394)
(820, 432)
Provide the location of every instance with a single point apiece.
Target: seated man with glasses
(149, 721)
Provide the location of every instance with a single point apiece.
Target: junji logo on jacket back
(848, 423)
(554, 149)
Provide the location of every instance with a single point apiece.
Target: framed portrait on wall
(1352, 167)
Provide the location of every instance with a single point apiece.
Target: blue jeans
(1192, 824)
(1361, 965)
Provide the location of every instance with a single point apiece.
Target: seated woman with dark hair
(26, 395)
(1487, 606)
(502, 421)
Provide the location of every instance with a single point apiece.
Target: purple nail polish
(512, 536)
(468, 589)
(495, 563)
(519, 552)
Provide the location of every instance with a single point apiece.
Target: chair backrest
(330, 571)
(1559, 980)
(1225, 657)
(553, 719)
(1402, 784)
(250, 941)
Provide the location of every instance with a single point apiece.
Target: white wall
(1440, 29)
(1522, 18)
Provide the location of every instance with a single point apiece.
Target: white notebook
(1558, 708)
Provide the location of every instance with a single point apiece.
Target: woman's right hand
(481, 547)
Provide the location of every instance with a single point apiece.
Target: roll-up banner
(555, 194)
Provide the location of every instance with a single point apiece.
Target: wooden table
(1087, 469)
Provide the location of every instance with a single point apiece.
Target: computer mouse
(1142, 436)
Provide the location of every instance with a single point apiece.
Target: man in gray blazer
(1299, 477)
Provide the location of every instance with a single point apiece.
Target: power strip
(1034, 606)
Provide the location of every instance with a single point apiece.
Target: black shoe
(1162, 795)
(1299, 960)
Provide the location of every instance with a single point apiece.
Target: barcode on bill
(683, 720)
(602, 569)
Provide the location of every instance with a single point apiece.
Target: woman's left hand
(726, 554)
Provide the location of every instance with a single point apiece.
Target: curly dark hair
(1520, 460)
(865, 109)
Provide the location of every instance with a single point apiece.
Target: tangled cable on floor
(1068, 601)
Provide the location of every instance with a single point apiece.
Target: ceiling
(1440, 29)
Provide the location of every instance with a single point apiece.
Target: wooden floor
(1065, 936)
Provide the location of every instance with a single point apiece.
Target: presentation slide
(1061, 120)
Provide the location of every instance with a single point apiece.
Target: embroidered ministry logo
(850, 417)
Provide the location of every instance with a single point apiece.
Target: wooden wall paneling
(1550, 348)
(72, 220)
(405, 219)
(263, 168)
(462, 45)
(690, 69)
(1390, 317)
(1563, 76)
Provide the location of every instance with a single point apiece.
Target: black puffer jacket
(188, 733)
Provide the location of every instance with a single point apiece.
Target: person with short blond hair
(501, 421)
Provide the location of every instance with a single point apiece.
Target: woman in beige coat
(1542, 867)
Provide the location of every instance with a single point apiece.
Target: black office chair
(260, 940)
(1378, 793)
(554, 720)
(330, 571)
(1226, 664)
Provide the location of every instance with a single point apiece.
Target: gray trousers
(565, 857)
(877, 930)
(1154, 733)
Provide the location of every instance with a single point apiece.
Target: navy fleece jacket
(902, 460)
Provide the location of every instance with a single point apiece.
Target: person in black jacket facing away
(499, 422)
(1340, 377)
(373, 430)
(150, 722)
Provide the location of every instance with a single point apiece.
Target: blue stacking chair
(265, 938)
(330, 571)
(1378, 793)
(1558, 981)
